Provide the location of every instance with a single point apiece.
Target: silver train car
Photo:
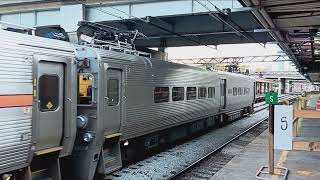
(68, 110)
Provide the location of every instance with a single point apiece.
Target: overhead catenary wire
(108, 13)
(129, 15)
(159, 27)
(219, 18)
(215, 16)
(144, 21)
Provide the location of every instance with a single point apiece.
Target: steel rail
(215, 150)
(174, 176)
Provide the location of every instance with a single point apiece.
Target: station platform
(302, 165)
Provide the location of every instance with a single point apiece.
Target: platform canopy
(165, 23)
(210, 28)
(295, 25)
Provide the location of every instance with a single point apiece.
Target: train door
(113, 100)
(50, 104)
(223, 90)
(254, 90)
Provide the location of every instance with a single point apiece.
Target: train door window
(113, 92)
(211, 92)
(49, 92)
(239, 91)
(85, 83)
(235, 91)
(191, 93)
(229, 91)
(202, 93)
(177, 93)
(247, 90)
(161, 94)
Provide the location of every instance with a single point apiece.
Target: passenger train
(262, 86)
(69, 111)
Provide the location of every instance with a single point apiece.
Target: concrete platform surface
(302, 165)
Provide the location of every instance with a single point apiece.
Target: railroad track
(173, 163)
(208, 165)
(262, 105)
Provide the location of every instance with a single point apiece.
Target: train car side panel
(142, 114)
(240, 91)
(16, 102)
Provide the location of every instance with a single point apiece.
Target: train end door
(223, 95)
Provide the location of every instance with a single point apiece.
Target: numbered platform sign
(283, 118)
(271, 97)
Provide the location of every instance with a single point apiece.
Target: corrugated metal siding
(16, 74)
(239, 101)
(142, 115)
(28, 45)
(15, 136)
(15, 122)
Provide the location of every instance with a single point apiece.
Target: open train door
(223, 90)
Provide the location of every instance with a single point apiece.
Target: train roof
(265, 80)
(57, 47)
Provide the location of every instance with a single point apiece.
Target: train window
(191, 93)
(85, 89)
(235, 91)
(202, 93)
(239, 91)
(229, 91)
(246, 91)
(177, 93)
(161, 94)
(113, 92)
(211, 92)
(49, 92)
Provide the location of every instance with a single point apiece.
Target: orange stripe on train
(15, 100)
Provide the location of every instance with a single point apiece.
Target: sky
(234, 50)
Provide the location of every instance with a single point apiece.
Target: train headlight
(82, 122)
(88, 137)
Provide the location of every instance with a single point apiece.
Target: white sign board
(283, 118)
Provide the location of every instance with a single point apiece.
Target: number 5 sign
(283, 118)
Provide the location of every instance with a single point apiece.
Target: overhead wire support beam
(243, 59)
(156, 21)
(108, 13)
